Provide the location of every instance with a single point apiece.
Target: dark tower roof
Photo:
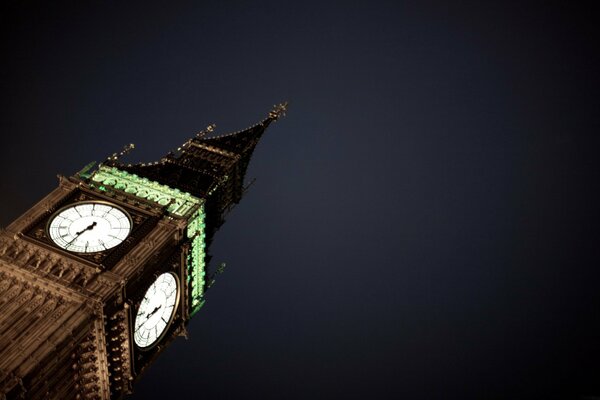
(207, 167)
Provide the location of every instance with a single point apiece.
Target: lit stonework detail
(196, 259)
(118, 352)
(178, 202)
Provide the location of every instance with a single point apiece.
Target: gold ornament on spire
(278, 111)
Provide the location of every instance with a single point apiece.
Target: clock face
(89, 227)
(156, 310)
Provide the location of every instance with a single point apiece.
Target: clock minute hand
(89, 228)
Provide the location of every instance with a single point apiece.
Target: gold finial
(208, 129)
(126, 150)
(278, 111)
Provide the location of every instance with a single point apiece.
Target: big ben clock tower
(104, 272)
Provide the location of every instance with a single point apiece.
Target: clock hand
(72, 240)
(153, 312)
(150, 314)
(89, 228)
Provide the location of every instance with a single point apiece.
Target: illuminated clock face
(89, 227)
(156, 310)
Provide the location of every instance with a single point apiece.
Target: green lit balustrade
(196, 258)
(178, 202)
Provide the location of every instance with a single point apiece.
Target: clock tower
(104, 272)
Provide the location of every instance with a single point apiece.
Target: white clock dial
(156, 310)
(89, 227)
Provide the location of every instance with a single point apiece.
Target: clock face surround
(156, 311)
(89, 227)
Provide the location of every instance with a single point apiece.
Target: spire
(278, 111)
(207, 167)
(245, 140)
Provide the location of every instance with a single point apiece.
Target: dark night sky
(422, 225)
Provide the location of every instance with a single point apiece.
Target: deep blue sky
(423, 222)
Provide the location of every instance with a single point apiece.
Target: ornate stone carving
(11, 293)
(47, 307)
(59, 311)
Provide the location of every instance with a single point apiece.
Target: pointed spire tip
(278, 111)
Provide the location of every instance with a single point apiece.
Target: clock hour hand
(150, 314)
(89, 228)
(153, 312)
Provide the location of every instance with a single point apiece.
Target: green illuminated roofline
(178, 202)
